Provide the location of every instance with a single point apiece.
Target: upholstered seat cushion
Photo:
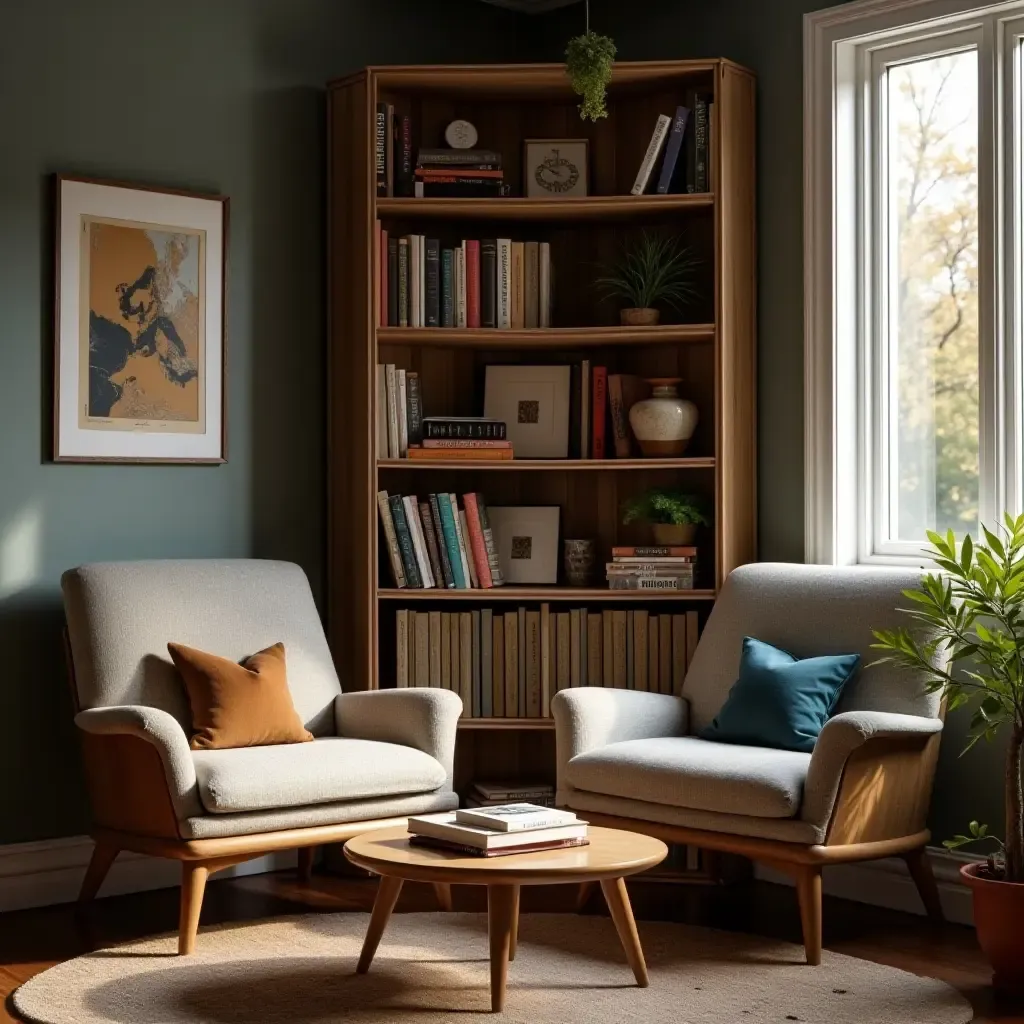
(684, 771)
(328, 770)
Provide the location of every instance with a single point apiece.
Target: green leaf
(966, 553)
(993, 542)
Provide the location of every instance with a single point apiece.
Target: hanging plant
(588, 62)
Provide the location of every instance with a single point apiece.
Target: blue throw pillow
(780, 701)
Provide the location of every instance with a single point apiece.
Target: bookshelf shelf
(554, 337)
(553, 210)
(550, 465)
(506, 723)
(531, 594)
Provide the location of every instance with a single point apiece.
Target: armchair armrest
(164, 733)
(420, 718)
(592, 717)
(842, 736)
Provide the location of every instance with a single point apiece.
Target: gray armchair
(377, 756)
(634, 759)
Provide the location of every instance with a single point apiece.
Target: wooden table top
(612, 853)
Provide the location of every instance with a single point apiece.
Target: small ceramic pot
(672, 535)
(664, 423)
(578, 558)
(638, 317)
(998, 911)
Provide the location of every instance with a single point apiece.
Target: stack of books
(652, 568)
(459, 173)
(434, 543)
(492, 794)
(678, 157)
(499, 831)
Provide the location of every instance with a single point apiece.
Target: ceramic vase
(664, 423)
(578, 558)
(638, 317)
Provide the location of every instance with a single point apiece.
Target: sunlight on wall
(20, 551)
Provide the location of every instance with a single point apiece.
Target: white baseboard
(43, 873)
(886, 883)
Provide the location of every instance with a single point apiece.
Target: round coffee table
(611, 856)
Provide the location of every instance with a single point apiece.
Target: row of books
(499, 830)
(652, 568)
(599, 404)
(490, 794)
(680, 148)
(434, 543)
(509, 664)
(492, 282)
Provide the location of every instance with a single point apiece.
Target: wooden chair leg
(583, 894)
(193, 885)
(103, 856)
(808, 889)
(306, 856)
(443, 892)
(921, 872)
(513, 938)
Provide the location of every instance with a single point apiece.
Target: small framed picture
(526, 537)
(533, 403)
(555, 168)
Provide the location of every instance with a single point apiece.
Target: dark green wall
(222, 95)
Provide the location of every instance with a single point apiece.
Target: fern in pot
(970, 646)
(672, 515)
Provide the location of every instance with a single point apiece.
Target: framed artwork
(526, 537)
(555, 168)
(533, 403)
(139, 369)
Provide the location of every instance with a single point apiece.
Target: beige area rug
(433, 968)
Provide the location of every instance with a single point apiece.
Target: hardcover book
(643, 175)
(409, 562)
(432, 248)
(672, 150)
(488, 282)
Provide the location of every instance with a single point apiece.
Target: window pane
(931, 191)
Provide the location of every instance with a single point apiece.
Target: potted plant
(673, 515)
(588, 63)
(971, 648)
(655, 271)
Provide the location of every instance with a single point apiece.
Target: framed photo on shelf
(139, 367)
(533, 403)
(555, 168)
(526, 537)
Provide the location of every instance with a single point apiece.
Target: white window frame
(845, 52)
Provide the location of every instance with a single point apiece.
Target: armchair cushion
(684, 771)
(327, 770)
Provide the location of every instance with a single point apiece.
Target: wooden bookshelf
(712, 349)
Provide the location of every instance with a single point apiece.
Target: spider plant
(653, 271)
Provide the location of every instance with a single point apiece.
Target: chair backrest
(121, 616)
(809, 610)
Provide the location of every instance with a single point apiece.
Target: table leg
(617, 898)
(387, 895)
(513, 939)
(501, 907)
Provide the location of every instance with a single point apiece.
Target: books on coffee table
(543, 828)
(515, 817)
(504, 851)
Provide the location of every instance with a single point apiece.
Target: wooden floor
(32, 940)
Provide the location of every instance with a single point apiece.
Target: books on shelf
(678, 156)
(463, 833)
(652, 570)
(496, 677)
(489, 794)
(459, 173)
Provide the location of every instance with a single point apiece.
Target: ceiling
(531, 6)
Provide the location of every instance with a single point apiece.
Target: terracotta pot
(671, 535)
(638, 317)
(998, 912)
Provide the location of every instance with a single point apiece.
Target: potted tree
(673, 515)
(971, 648)
(655, 271)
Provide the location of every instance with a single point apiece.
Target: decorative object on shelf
(555, 167)
(533, 402)
(656, 270)
(588, 63)
(578, 559)
(140, 324)
(673, 515)
(971, 615)
(664, 423)
(526, 538)
(460, 134)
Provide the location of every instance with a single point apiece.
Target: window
(913, 253)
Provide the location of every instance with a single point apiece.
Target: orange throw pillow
(246, 705)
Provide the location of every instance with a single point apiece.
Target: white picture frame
(533, 403)
(526, 538)
(139, 362)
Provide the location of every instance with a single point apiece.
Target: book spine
(498, 666)
(455, 656)
(451, 175)
(599, 406)
(672, 148)
(640, 648)
(381, 410)
(517, 277)
(403, 185)
(586, 396)
(486, 662)
(654, 551)
(446, 443)
(451, 540)
(547, 660)
(619, 630)
(651, 156)
(665, 654)
(630, 663)
(453, 430)
(403, 282)
(403, 414)
(584, 663)
(446, 650)
(414, 407)
(650, 583)
(544, 292)
(419, 544)
(522, 661)
(402, 648)
(414, 282)
(488, 282)
(531, 289)
(478, 697)
(432, 248)
(563, 658)
(391, 380)
(511, 665)
(389, 149)
(460, 291)
(442, 546)
(576, 450)
(422, 661)
(653, 674)
(467, 569)
(463, 530)
(448, 288)
(434, 630)
(574, 647)
(380, 148)
(533, 658)
(504, 283)
(476, 540)
(380, 256)
(700, 134)
(409, 562)
(472, 283)
(466, 661)
(595, 662)
(421, 255)
(392, 282)
(463, 454)
(620, 426)
(433, 554)
(458, 156)
(497, 579)
(391, 538)
(608, 672)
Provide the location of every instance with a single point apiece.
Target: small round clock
(460, 135)
(556, 174)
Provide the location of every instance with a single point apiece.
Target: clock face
(556, 174)
(460, 135)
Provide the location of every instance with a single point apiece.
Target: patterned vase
(578, 559)
(664, 423)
